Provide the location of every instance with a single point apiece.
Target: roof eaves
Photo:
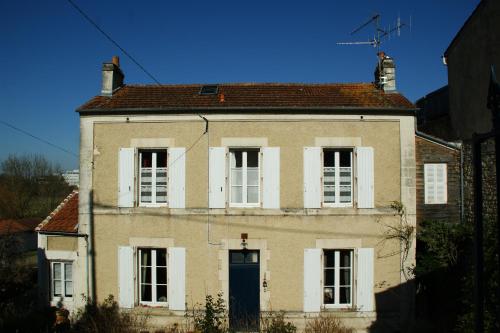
(431, 138)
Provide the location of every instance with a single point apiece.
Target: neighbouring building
(23, 230)
(276, 195)
(72, 177)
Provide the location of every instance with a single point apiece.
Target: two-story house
(276, 195)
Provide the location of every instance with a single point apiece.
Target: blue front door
(244, 291)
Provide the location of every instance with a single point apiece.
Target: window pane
(161, 293)
(68, 291)
(329, 258)
(161, 159)
(252, 194)
(57, 288)
(237, 258)
(329, 277)
(252, 258)
(236, 177)
(253, 176)
(345, 277)
(146, 292)
(236, 159)
(328, 158)
(236, 194)
(146, 274)
(68, 272)
(57, 271)
(161, 257)
(345, 295)
(345, 158)
(345, 258)
(146, 257)
(146, 159)
(328, 295)
(329, 184)
(161, 275)
(252, 159)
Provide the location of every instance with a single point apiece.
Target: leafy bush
(275, 323)
(327, 324)
(214, 317)
(107, 317)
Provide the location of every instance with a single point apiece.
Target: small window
(153, 276)
(153, 177)
(209, 90)
(244, 177)
(435, 176)
(337, 278)
(62, 279)
(337, 177)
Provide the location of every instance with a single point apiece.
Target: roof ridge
(56, 210)
(285, 84)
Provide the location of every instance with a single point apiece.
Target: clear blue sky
(51, 58)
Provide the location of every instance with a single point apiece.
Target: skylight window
(209, 90)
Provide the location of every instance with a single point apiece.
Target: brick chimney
(385, 73)
(112, 77)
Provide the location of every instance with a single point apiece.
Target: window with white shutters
(337, 177)
(153, 177)
(435, 183)
(244, 177)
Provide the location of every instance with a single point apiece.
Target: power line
(39, 139)
(112, 40)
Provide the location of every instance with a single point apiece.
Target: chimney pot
(116, 60)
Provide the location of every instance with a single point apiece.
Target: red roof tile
(9, 226)
(249, 95)
(64, 218)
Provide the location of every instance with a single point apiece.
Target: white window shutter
(364, 291)
(177, 178)
(126, 163)
(365, 175)
(312, 280)
(441, 183)
(312, 177)
(176, 278)
(429, 183)
(271, 177)
(217, 177)
(126, 276)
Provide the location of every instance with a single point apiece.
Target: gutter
(456, 146)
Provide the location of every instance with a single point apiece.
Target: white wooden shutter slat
(217, 177)
(364, 295)
(177, 178)
(429, 183)
(312, 280)
(126, 177)
(441, 183)
(365, 174)
(271, 177)
(312, 177)
(176, 278)
(126, 276)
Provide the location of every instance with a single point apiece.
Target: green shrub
(213, 319)
(326, 324)
(275, 323)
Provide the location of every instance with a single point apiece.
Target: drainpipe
(462, 209)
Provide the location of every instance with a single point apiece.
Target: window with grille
(244, 177)
(337, 177)
(62, 279)
(153, 276)
(337, 277)
(153, 177)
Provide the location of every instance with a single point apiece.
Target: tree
(30, 186)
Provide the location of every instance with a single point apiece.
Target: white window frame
(336, 204)
(63, 280)
(435, 166)
(244, 151)
(337, 304)
(153, 301)
(153, 202)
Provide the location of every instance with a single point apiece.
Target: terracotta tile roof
(249, 95)
(9, 226)
(64, 218)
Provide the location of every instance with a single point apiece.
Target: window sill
(235, 205)
(332, 205)
(153, 206)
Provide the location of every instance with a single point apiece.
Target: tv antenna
(379, 33)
